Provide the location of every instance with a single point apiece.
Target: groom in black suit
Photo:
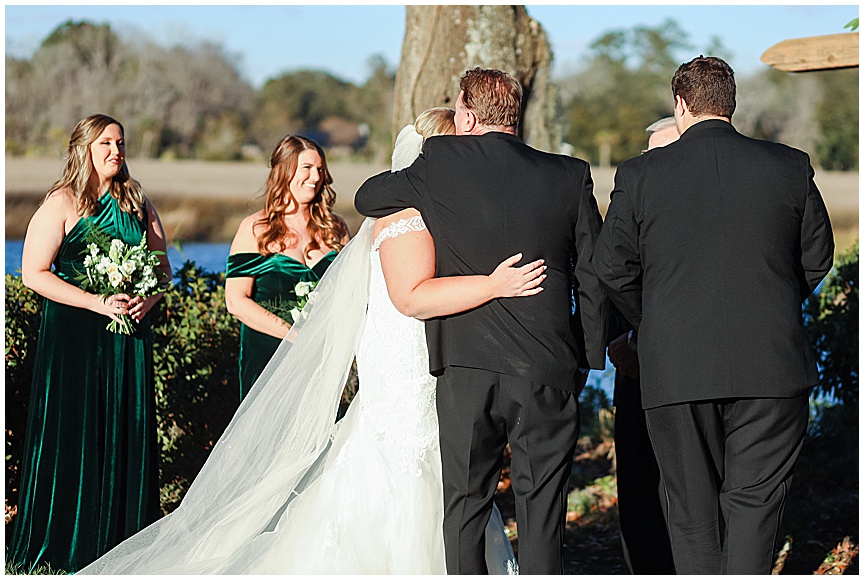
(512, 369)
(709, 247)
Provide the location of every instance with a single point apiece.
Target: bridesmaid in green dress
(293, 239)
(89, 475)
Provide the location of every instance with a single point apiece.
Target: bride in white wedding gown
(285, 491)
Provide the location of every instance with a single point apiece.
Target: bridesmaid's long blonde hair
(278, 202)
(78, 171)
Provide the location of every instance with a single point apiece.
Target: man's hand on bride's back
(509, 281)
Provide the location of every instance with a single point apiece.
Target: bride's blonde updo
(435, 121)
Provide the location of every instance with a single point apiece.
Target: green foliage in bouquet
(280, 307)
(290, 310)
(112, 267)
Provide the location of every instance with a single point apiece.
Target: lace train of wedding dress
(285, 491)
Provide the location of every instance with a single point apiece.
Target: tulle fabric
(277, 439)
(407, 148)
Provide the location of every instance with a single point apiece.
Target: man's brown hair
(493, 96)
(707, 85)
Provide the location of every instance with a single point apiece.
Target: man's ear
(681, 104)
(470, 122)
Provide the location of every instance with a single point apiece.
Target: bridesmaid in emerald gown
(293, 239)
(89, 473)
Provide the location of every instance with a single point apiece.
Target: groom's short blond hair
(493, 96)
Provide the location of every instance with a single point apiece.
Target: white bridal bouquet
(112, 267)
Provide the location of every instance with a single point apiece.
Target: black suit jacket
(485, 198)
(709, 247)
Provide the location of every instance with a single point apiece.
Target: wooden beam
(813, 53)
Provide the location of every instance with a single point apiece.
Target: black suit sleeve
(616, 256)
(591, 301)
(817, 239)
(387, 193)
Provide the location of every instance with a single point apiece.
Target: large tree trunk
(442, 42)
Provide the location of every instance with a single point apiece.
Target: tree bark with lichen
(442, 42)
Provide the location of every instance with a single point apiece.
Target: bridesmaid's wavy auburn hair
(323, 225)
(78, 172)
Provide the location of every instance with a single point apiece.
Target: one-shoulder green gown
(275, 278)
(89, 476)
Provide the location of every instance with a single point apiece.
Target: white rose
(303, 288)
(127, 268)
(115, 278)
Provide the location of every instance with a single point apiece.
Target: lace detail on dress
(403, 226)
(397, 402)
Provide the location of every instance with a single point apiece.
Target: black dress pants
(640, 512)
(726, 466)
(479, 411)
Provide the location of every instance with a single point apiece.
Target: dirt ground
(204, 201)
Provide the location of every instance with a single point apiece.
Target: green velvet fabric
(275, 278)
(89, 476)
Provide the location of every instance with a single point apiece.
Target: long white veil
(271, 448)
(408, 145)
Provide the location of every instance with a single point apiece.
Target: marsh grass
(12, 569)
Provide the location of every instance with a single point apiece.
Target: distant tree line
(190, 101)
(184, 101)
(625, 84)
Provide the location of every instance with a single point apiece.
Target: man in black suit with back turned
(510, 370)
(709, 247)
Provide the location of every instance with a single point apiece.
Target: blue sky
(271, 39)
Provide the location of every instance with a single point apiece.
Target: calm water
(211, 257)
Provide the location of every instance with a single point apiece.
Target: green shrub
(196, 343)
(23, 316)
(831, 320)
(830, 453)
(196, 384)
(195, 348)
(596, 418)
